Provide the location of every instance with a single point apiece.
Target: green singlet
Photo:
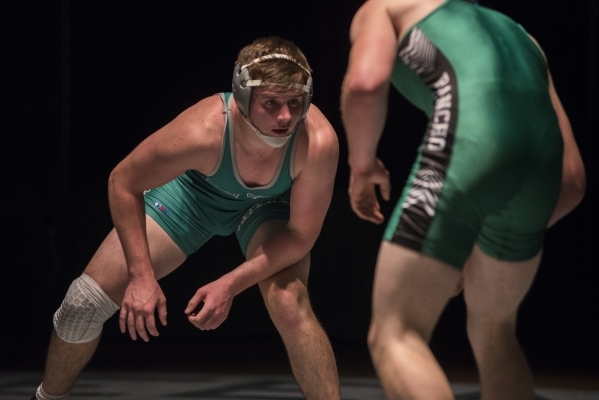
(489, 168)
(194, 207)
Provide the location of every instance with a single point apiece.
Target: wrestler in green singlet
(227, 205)
(489, 168)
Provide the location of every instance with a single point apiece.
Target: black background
(83, 82)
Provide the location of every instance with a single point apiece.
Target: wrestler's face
(275, 110)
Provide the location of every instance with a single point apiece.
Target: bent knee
(489, 327)
(384, 336)
(83, 311)
(288, 307)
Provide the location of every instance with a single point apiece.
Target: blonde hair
(280, 71)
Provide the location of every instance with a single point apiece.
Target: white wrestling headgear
(243, 83)
(242, 93)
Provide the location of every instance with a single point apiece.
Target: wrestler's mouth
(280, 131)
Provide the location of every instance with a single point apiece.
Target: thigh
(174, 206)
(109, 269)
(434, 216)
(410, 290)
(494, 289)
(254, 225)
(287, 288)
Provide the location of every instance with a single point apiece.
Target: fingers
(131, 325)
(150, 326)
(365, 204)
(162, 313)
(127, 322)
(123, 319)
(385, 188)
(368, 211)
(362, 193)
(375, 217)
(207, 319)
(195, 301)
(138, 327)
(213, 310)
(142, 322)
(381, 178)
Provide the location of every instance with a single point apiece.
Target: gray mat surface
(178, 386)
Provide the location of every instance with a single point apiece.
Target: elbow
(113, 179)
(572, 192)
(116, 181)
(306, 241)
(573, 188)
(112, 188)
(574, 185)
(574, 180)
(364, 83)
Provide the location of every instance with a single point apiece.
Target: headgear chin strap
(273, 141)
(243, 83)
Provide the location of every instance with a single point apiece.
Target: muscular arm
(185, 143)
(311, 195)
(182, 144)
(364, 97)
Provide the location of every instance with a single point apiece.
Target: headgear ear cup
(242, 92)
(307, 97)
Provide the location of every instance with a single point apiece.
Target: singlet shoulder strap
(291, 149)
(226, 99)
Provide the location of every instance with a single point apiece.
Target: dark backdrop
(83, 82)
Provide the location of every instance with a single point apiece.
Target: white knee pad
(83, 311)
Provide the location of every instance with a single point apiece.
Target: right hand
(362, 191)
(142, 297)
(217, 299)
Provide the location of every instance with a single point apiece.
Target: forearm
(275, 254)
(128, 215)
(364, 112)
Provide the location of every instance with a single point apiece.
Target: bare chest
(257, 170)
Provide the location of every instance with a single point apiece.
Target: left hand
(217, 300)
(362, 192)
(142, 297)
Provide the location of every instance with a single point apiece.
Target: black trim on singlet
(422, 56)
